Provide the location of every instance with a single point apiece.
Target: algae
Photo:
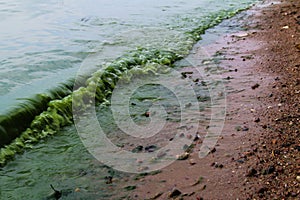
(45, 114)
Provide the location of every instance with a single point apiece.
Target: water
(42, 40)
(44, 43)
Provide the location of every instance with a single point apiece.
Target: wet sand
(257, 155)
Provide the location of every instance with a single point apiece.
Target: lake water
(44, 43)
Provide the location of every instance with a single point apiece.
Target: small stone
(213, 150)
(298, 178)
(147, 114)
(137, 149)
(174, 193)
(294, 194)
(77, 190)
(238, 128)
(245, 128)
(269, 170)
(183, 156)
(192, 161)
(257, 120)
(150, 148)
(255, 86)
(108, 179)
(262, 190)
(251, 172)
(241, 161)
(197, 137)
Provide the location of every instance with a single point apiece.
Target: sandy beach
(258, 153)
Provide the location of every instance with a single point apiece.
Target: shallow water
(47, 45)
(40, 41)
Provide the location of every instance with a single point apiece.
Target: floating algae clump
(48, 113)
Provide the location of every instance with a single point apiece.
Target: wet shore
(257, 155)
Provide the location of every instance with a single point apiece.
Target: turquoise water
(44, 43)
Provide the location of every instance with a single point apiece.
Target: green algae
(45, 114)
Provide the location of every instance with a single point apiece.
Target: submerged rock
(137, 149)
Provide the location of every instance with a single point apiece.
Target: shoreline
(244, 165)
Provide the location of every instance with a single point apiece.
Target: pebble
(245, 128)
(192, 161)
(255, 86)
(257, 120)
(147, 114)
(298, 178)
(174, 193)
(183, 156)
(252, 172)
(262, 190)
(269, 170)
(213, 150)
(137, 149)
(150, 148)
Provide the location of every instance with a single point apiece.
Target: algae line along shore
(47, 108)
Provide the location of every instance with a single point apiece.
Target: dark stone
(252, 172)
(245, 128)
(255, 86)
(147, 114)
(175, 193)
(271, 169)
(262, 190)
(241, 161)
(213, 150)
(150, 148)
(277, 152)
(108, 179)
(288, 144)
(257, 120)
(137, 149)
(297, 148)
